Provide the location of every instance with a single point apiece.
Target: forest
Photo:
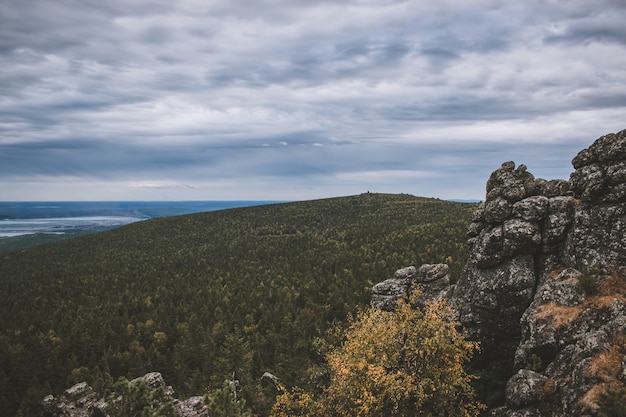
(199, 297)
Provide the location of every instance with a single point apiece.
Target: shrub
(405, 363)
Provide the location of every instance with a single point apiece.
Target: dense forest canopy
(198, 297)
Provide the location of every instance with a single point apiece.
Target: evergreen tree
(136, 399)
(226, 401)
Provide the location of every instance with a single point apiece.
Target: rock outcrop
(544, 288)
(576, 320)
(81, 400)
(77, 401)
(599, 183)
(433, 282)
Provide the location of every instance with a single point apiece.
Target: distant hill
(198, 297)
(26, 224)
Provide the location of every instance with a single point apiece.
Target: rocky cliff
(544, 289)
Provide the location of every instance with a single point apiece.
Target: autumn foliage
(405, 363)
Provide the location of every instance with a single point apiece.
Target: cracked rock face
(522, 221)
(541, 225)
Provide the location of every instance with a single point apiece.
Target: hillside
(200, 296)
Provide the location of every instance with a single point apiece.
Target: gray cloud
(294, 99)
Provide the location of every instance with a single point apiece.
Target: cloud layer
(298, 99)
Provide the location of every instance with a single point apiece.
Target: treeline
(198, 297)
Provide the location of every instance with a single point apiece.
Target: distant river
(25, 218)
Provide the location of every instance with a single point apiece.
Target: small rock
(525, 388)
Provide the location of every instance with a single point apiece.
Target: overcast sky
(300, 99)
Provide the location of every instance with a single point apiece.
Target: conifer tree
(224, 401)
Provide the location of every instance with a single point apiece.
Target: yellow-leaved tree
(408, 362)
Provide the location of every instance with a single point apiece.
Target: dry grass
(562, 315)
(602, 302)
(556, 272)
(607, 365)
(614, 285)
(558, 314)
(612, 288)
(589, 401)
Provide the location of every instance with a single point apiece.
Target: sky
(300, 99)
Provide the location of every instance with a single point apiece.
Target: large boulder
(385, 294)
(80, 400)
(432, 280)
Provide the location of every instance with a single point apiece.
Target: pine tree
(225, 401)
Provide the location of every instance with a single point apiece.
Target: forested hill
(200, 296)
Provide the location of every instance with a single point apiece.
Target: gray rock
(525, 388)
(532, 209)
(610, 147)
(506, 412)
(497, 210)
(540, 334)
(510, 183)
(486, 248)
(598, 238)
(76, 401)
(432, 273)
(192, 407)
(479, 214)
(557, 223)
(49, 406)
(589, 182)
(491, 301)
(554, 188)
(79, 390)
(406, 273)
(386, 294)
(81, 401)
(616, 172)
(474, 229)
(432, 280)
(521, 237)
(154, 380)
